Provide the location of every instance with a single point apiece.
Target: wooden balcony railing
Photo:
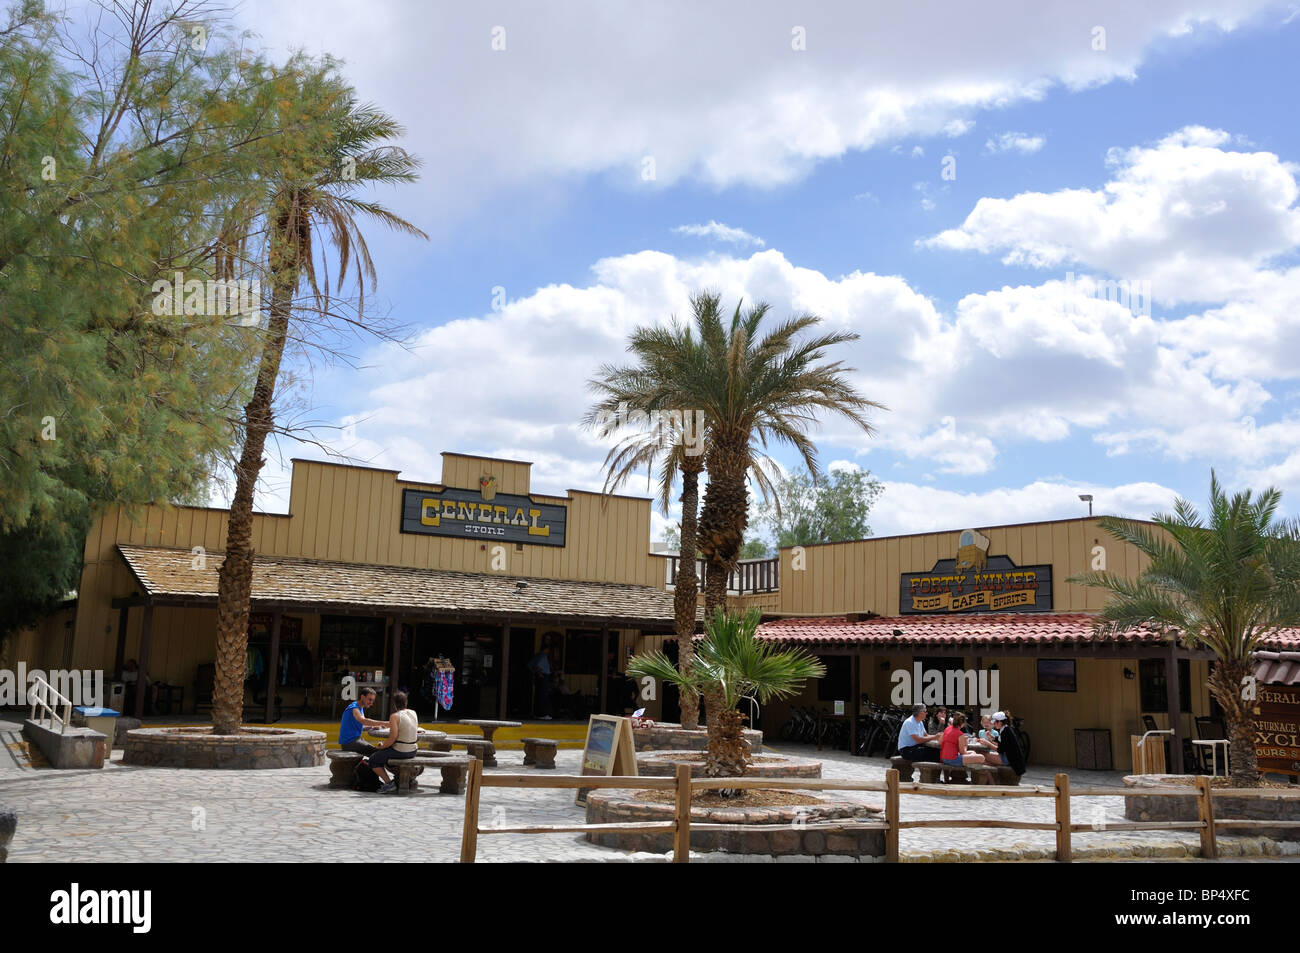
(749, 576)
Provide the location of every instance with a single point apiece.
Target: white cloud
(554, 103)
(918, 152)
(1020, 142)
(722, 233)
(1196, 221)
(958, 127)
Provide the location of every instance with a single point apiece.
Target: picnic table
(425, 736)
(489, 726)
(973, 745)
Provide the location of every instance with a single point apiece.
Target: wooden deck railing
(685, 786)
(749, 576)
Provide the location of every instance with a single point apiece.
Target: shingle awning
(167, 578)
(1019, 631)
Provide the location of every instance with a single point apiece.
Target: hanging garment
(446, 688)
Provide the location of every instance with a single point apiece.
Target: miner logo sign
(974, 581)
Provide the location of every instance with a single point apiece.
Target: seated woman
(403, 733)
(952, 749)
(989, 735)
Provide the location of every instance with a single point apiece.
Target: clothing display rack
(439, 682)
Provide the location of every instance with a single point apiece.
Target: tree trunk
(235, 579)
(1226, 686)
(727, 755)
(686, 588)
(724, 518)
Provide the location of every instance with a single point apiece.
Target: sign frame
(1277, 716)
(458, 513)
(614, 752)
(999, 585)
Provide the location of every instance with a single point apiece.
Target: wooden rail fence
(685, 786)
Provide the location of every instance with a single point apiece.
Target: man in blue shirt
(355, 721)
(912, 738)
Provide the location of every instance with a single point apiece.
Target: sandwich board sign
(609, 750)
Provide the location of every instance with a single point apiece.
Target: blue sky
(1170, 156)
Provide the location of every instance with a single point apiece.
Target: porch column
(1173, 693)
(855, 692)
(120, 657)
(604, 666)
(504, 656)
(272, 664)
(146, 633)
(396, 660)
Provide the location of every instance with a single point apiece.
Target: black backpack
(364, 777)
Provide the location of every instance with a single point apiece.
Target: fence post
(891, 816)
(1205, 814)
(682, 830)
(469, 837)
(1063, 818)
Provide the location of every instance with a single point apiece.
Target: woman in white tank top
(403, 735)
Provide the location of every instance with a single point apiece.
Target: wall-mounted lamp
(1128, 672)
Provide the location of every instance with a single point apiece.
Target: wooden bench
(475, 746)
(454, 768)
(931, 771)
(540, 752)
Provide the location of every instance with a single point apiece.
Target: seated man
(912, 738)
(355, 721)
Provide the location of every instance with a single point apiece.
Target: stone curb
(1228, 848)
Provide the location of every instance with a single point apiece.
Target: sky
(1066, 234)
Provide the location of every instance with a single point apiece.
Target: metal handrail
(41, 699)
(1143, 752)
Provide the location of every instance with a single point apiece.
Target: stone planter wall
(1284, 807)
(665, 736)
(664, 764)
(787, 835)
(8, 824)
(252, 748)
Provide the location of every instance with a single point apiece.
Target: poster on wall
(609, 750)
(1277, 729)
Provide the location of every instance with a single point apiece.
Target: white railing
(40, 695)
(1142, 751)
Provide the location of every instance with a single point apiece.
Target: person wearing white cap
(1009, 746)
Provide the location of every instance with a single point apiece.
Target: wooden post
(604, 667)
(120, 657)
(1205, 814)
(891, 816)
(146, 634)
(504, 656)
(1174, 695)
(272, 663)
(855, 690)
(393, 683)
(469, 837)
(1063, 818)
(682, 832)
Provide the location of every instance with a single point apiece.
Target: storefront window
(360, 641)
(1155, 689)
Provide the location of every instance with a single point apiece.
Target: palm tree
(311, 196)
(756, 390)
(1224, 586)
(731, 662)
(665, 355)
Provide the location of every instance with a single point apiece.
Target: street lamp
(1087, 498)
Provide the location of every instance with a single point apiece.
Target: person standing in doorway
(540, 666)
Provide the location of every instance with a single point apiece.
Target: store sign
(486, 514)
(973, 581)
(1277, 728)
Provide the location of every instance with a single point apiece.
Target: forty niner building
(370, 574)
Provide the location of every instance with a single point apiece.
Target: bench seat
(540, 752)
(476, 746)
(454, 768)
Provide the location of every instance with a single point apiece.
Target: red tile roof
(981, 629)
(1278, 668)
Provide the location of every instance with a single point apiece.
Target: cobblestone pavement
(127, 813)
